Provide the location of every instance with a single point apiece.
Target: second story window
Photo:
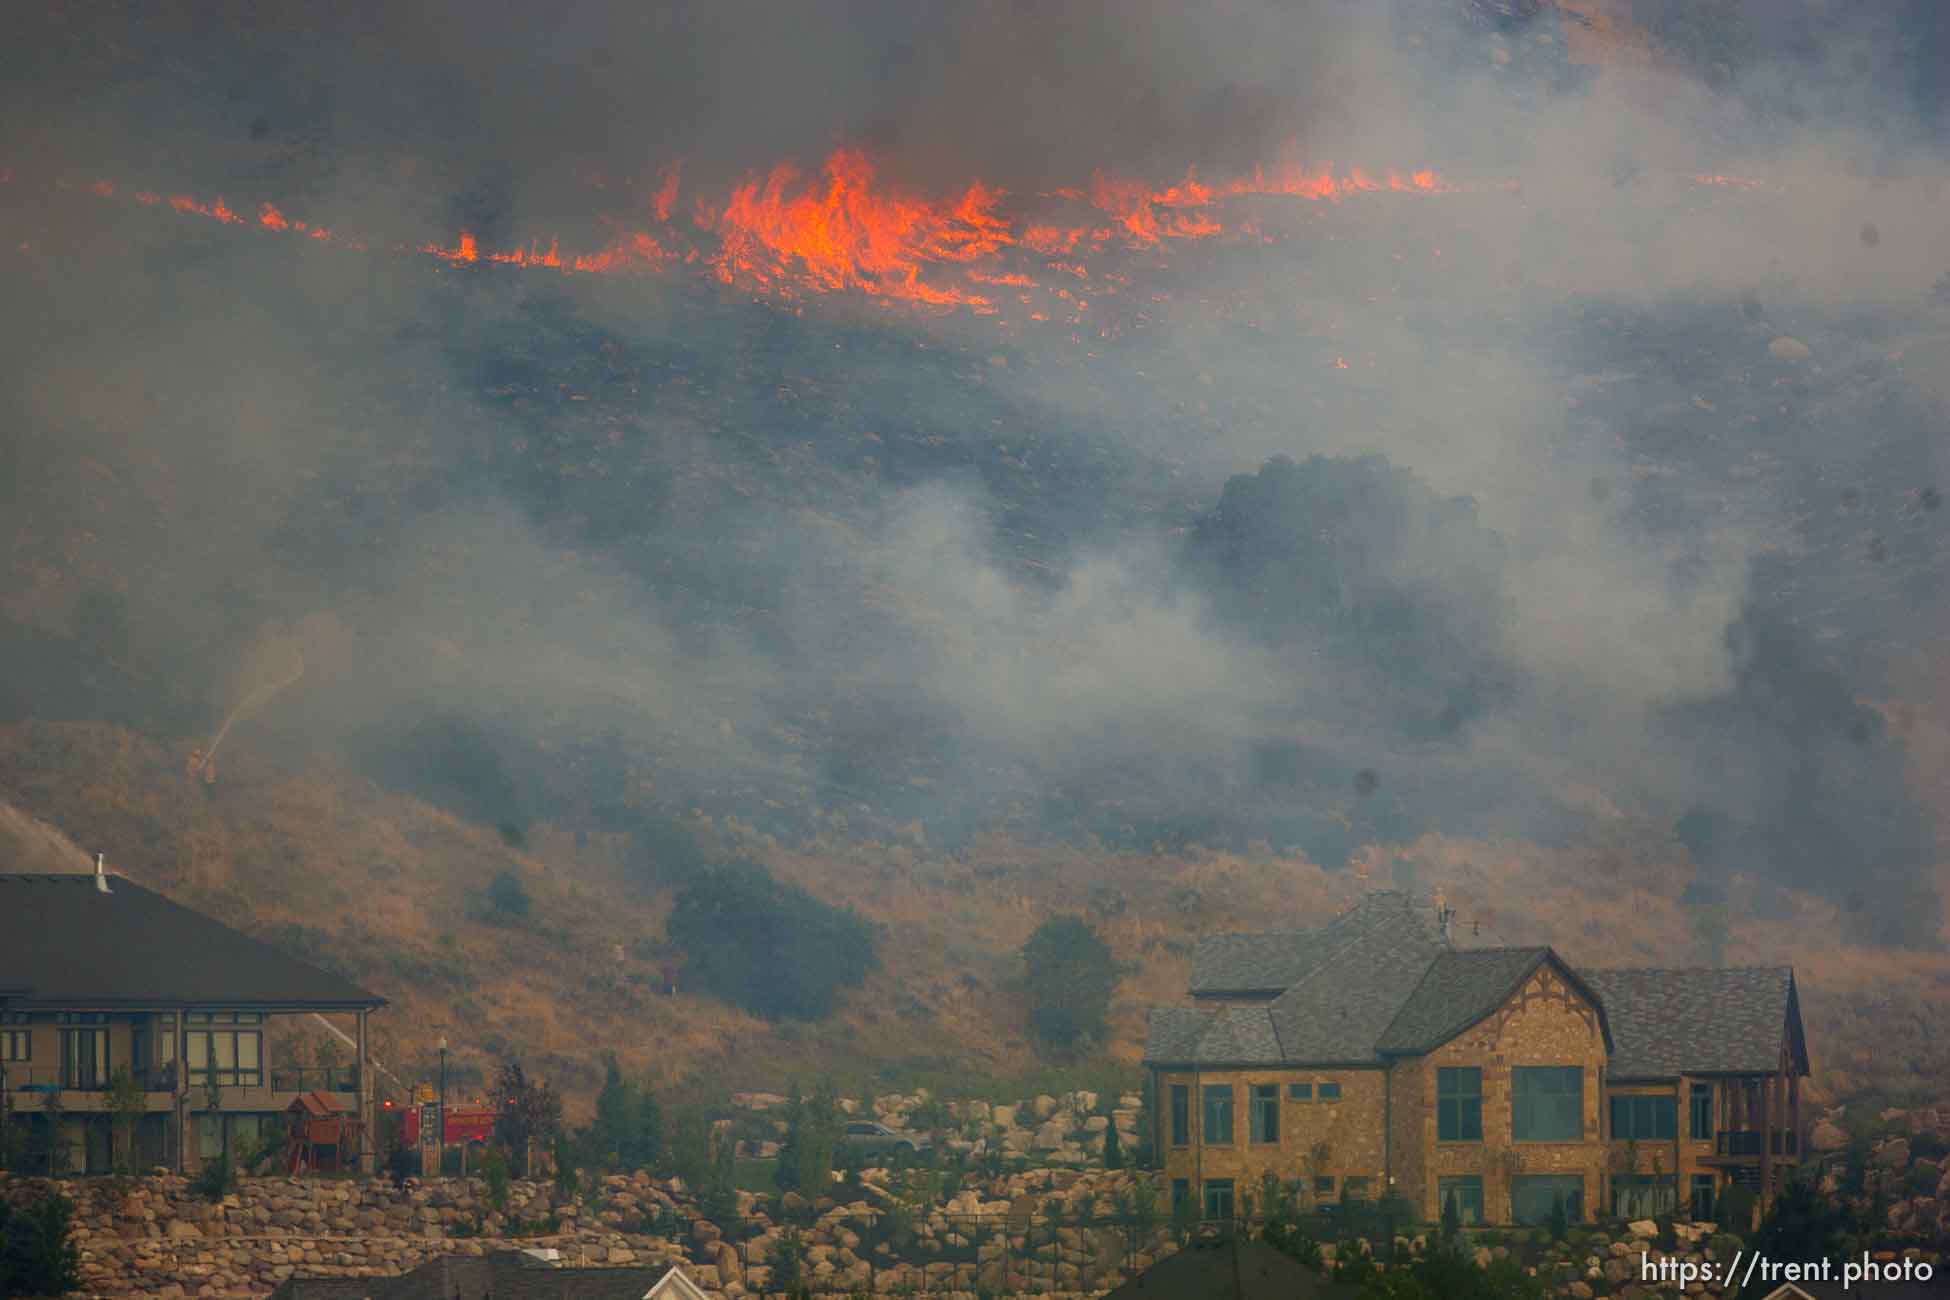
(220, 1051)
(1547, 1103)
(1329, 1091)
(1299, 1092)
(1702, 1117)
(1459, 1104)
(1218, 1114)
(1181, 1115)
(1265, 1119)
(1643, 1119)
(84, 1051)
(16, 1040)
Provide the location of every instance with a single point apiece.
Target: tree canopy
(768, 945)
(1071, 975)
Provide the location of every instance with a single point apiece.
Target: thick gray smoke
(1587, 491)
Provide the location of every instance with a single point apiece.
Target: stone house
(98, 975)
(1378, 1055)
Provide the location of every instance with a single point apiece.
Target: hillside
(388, 890)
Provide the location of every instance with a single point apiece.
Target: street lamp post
(443, 1102)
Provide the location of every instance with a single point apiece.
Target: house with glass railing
(119, 1006)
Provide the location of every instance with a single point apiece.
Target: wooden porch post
(365, 1100)
(182, 1098)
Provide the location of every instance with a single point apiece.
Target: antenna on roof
(101, 876)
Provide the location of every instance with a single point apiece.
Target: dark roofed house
(505, 1275)
(1226, 1266)
(1376, 1055)
(104, 975)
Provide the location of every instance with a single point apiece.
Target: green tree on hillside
(531, 1113)
(1071, 975)
(812, 1138)
(628, 1132)
(769, 946)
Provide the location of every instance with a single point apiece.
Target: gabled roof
(1460, 988)
(1706, 1021)
(511, 1275)
(1355, 973)
(70, 945)
(1270, 964)
(1228, 1267)
(1341, 1010)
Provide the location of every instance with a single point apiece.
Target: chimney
(101, 876)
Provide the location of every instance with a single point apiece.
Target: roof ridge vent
(101, 875)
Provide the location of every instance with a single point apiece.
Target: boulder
(1785, 348)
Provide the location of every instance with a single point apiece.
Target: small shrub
(215, 1179)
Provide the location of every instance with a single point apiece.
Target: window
(1643, 1119)
(1299, 1092)
(1323, 1185)
(16, 1044)
(1534, 1196)
(1218, 1115)
(1181, 1194)
(1181, 1115)
(852, 1130)
(84, 1050)
(1330, 1092)
(1459, 1104)
(1643, 1196)
(1264, 1120)
(1702, 1196)
(1702, 1117)
(1547, 1103)
(1354, 1188)
(1466, 1193)
(218, 1053)
(1218, 1198)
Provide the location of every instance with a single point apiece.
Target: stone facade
(1331, 1140)
(1545, 1023)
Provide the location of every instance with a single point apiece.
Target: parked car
(869, 1138)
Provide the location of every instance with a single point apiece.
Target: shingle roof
(1228, 1267)
(505, 1275)
(1340, 1010)
(1212, 1036)
(1273, 963)
(69, 944)
(1724, 1021)
(1457, 990)
(1353, 975)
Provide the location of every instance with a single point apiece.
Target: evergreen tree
(690, 1148)
(37, 1254)
(1802, 1219)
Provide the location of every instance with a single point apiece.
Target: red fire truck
(464, 1123)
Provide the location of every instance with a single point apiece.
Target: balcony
(329, 1078)
(1745, 1144)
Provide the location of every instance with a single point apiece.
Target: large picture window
(1547, 1103)
(1459, 1104)
(1218, 1114)
(219, 1051)
(1643, 1119)
(1264, 1122)
(1534, 1196)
